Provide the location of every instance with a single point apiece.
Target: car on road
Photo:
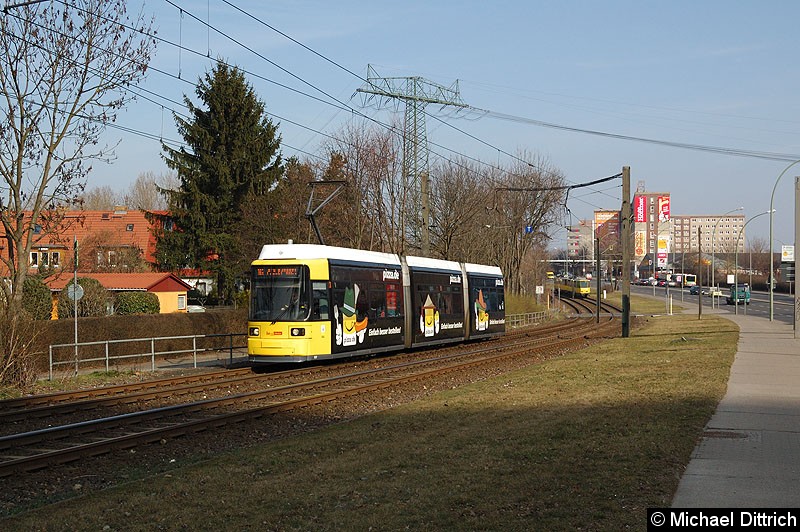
(714, 291)
(739, 294)
(695, 290)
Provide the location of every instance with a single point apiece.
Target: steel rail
(54, 456)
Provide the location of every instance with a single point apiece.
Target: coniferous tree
(232, 153)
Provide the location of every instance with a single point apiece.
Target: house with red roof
(115, 241)
(170, 290)
(112, 240)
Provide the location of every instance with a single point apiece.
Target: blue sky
(710, 73)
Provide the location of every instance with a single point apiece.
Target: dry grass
(584, 442)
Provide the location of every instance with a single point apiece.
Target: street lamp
(771, 258)
(736, 263)
(713, 246)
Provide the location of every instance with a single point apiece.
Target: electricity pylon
(416, 92)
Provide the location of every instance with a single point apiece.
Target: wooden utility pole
(626, 238)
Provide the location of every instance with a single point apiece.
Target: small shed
(169, 288)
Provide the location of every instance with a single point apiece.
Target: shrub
(242, 299)
(93, 303)
(37, 299)
(137, 303)
(17, 338)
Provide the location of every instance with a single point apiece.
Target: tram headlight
(298, 331)
(254, 331)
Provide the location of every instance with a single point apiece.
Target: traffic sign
(787, 271)
(75, 292)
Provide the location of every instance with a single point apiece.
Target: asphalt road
(783, 304)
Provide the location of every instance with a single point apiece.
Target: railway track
(266, 394)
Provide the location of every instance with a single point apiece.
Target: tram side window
(442, 302)
(362, 305)
(423, 292)
(394, 300)
(458, 300)
(496, 301)
(337, 295)
(493, 296)
(377, 301)
(319, 306)
(449, 300)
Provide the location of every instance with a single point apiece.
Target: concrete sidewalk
(749, 455)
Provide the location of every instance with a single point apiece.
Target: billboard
(607, 226)
(663, 252)
(639, 208)
(787, 253)
(663, 208)
(639, 239)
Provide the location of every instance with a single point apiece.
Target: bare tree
(371, 203)
(527, 206)
(102, 198)
(758, 252)
(104, 252)
(144, 194)
(64, 71)
(461, 212)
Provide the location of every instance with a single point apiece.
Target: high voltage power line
(515, 118)
(336, 104)
(366, 80)
(341, 105)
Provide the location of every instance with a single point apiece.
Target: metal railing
(102, 353)
(528, 318)
(154, 350)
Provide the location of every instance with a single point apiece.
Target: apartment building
(711, 233)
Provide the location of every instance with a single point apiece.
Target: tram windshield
(279, 293)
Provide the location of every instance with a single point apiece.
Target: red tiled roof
(129, 228)
(165, 282)
(119, 228)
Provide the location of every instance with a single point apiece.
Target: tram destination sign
(277, 271)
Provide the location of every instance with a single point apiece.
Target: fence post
(107, 368)
(50, 376)
(153, 353)
(194, 350)
(230, 338)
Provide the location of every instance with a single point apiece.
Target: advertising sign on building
(603, 217)
(663, 208)
(639, 208)
(607, 226)
(639, 239)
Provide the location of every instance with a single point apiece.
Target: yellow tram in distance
(573, 287)
(314, 302)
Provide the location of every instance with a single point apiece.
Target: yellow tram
(573, 287)
(314, 302)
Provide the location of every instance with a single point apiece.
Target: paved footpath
(749, 455)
